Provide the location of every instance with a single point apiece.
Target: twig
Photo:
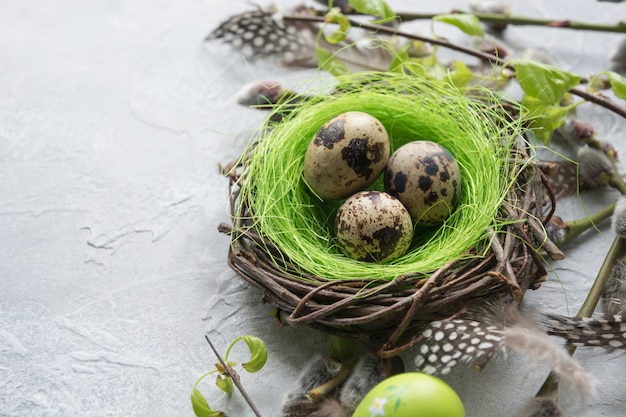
(234, 376)
(593, 98)
(575, 227)
(503, 19)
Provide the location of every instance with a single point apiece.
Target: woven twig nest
(503, 255)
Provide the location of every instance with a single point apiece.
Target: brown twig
(234, 376)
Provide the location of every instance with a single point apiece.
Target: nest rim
(385, 314)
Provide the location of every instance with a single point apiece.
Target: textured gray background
(113, 118)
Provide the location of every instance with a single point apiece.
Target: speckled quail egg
(373, 226)
(346, 155)
(426, 178)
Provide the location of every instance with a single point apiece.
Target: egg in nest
(346, 155)
(426, 178)
(373, 226)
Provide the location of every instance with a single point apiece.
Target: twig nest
(346, 155)
(276, 191)
(373, 226)
(426, 178)
(283, 239)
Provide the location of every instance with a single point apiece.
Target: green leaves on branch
(461, 76)
(468, 23)
(618, 84)
(374, 8)
(258, 353)
(546, 83)
(224, 381)
(615, 81)
(545, 118)
(335, 16)
(325, 59)
(544, 87)
(200, 405)
(327, 62)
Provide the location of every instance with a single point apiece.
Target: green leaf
(468, 23)
(225, 383)
(544, 118)
(374, 8)
(328, 62)
(201, 407)
(258, 354)
(461, 75)
(404, 63)
(618, 84)
(400, 58)
(546, 83)
(335, 16)
(432, 67)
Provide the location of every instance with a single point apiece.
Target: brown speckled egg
(426, 178)
(346, 155)
(373, 226)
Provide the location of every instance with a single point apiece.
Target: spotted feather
(262, 33)
(450, 342)
(608, 333)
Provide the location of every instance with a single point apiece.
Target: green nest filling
(411, 108)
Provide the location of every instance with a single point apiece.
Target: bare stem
(235, 377)
(503, 19)
(576, 227)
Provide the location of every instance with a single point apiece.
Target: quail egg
(373, 226)
(346, 155)
(426, 178)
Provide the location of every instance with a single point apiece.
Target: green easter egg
(411, 394)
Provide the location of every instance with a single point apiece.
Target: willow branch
(234, 377)
(503, 19)
(593, 98)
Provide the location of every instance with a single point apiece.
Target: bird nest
(493, 246)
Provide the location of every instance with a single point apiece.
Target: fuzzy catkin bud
(317, 372)
(367, 373)
(556, 230)
(618, 221)
(260, 93)
(614, 294)
(595, 166)
(540, 407)
(583, 130)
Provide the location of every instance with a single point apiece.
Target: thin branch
(593, 98)
(235, 378)
(503, 19)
